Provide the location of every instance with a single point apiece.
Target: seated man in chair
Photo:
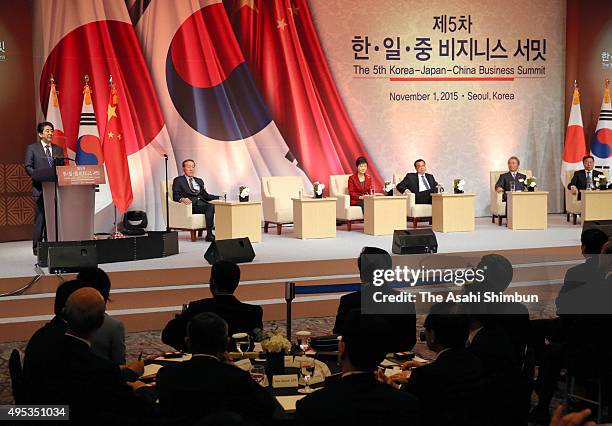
(585, 177)
(421, 183)
(512, 176)
(188, 189)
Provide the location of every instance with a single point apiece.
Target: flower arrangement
(276, 343)
(318, 189)
(388, 187)
(601, 181)
(243, 193)
(531, 183)
(458, 186)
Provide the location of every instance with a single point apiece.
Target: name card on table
(285, 381)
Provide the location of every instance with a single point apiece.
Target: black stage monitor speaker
(63, 259)
(238, 250)
(414, 241)
(604, 225)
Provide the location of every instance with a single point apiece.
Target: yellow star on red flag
(111, 111)
(281, 24)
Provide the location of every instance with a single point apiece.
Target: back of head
(365, 338)
(498, 272)
(84, 311)
(96, 278)
(207, 334)
(224, 277)
(63, 292)
(449, 325)
(592, 240)
(371, 259)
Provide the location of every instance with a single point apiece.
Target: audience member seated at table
(92, 386)
(109, 341)
(592, 241)
(512, 176)
(421, 183)
(450, 389)
(36, 358)
(511, 317)
(207, 383)
(585, 177)
(358, 398)
(401, 317)
(240, 317)
(359, 183)
(507, 389)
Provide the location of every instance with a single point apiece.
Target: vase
(530, 189)
(275, 363)
(389, 193)
(457, 191)
(603, 187)
(318, 195)
(243, 199)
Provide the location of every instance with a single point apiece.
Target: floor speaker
(604, 225)
(72, 258)
(238, 250)
(414, 241)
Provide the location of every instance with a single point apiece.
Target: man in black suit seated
(190, 190)
(36, 358)
(585, 177)
(421, 183)
(39, 155)
(92, 386)
(208, 383)
(512, 176)
(401, 317)
(241, 317)
(358, 398)
(451, 388)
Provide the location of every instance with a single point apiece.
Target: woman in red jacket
(359, 183)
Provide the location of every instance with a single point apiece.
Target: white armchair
(498, 206)
(338, 187)
(181, 217)
(276, 195)
(416, 212)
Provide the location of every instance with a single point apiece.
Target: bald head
(84, 311)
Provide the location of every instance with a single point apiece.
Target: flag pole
(116, 233)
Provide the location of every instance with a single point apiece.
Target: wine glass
(258, 373)
(307, 370)
(303, 340)
(225, 196)
(242, 342)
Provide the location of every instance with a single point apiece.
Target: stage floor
(17, 260)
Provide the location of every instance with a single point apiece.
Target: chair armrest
(269, 207)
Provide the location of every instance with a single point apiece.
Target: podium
(69, 196)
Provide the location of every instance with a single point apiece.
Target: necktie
(49, 157)
(589, 180)
(513, 175)
(190, 180)
(425, 182)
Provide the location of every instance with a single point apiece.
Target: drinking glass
(258, 373)
(242, 342)
(307, 370)
(303, 340)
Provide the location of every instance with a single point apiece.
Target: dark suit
(579, 180)
(411, 182)
(203, 385)
(505, 181)
(575, 278)
(358, 399)
(402, 327)
(240, 317)
(450, 389)
(92, 386)
(200, 199)
(36, 159)
(505, 389)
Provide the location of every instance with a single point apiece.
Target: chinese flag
(115, 156)
(281, 45)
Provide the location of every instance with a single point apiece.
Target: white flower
(597, 179)
(388, 186)
(277, 343)
(318, 188)
(244, 192)
(533, 184)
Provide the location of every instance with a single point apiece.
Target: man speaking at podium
(38, 156)
(189, 189)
